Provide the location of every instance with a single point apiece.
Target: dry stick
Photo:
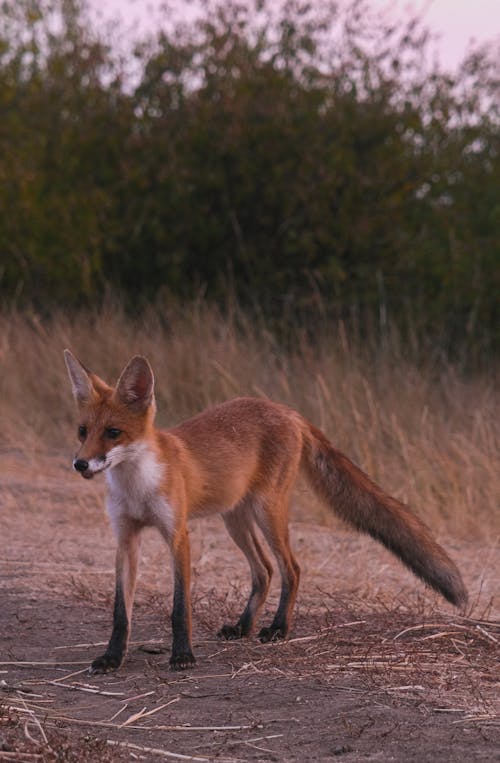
(422, 626)
(71, 675)
(246, 666)
(87, 689)
(141, 714)
(20, 757)
(36, 721)
(27, 733)
(256, 739)
(51, 565)
(80, 646)
(140, 696)
(215, 654)
(199, 678)
(488, 635)
(122, 708)
(487, 720)
(133, 717)
(107, 724)
(156, 751)
(36, 705)
(42, 664)
(476, 631)
(45, 709)
(260, 749)
(4, 686)
(441, 634)
(366, 665)
(466, 628)
(474, 621)
(18, 709)
(104, 643)
(195, 728)
(324, 632)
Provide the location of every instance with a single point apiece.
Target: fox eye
(82, 432)
(112, 433)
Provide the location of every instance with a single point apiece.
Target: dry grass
(428, 435)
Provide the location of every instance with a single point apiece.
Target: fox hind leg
(241, 531)
(274, 525)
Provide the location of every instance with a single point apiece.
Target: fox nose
(81, 465)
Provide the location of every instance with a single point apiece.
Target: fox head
(112, 420)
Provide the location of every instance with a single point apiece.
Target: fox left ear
(135, 386)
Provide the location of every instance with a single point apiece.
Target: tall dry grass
(427, 435)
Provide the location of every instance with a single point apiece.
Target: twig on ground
(71, 675)
(160, 752)
(108, 724)
(43, 664)
(115, 715)
(142, 714)
(88, 689)
(37, 723)
(103, 643)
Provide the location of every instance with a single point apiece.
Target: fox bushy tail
(354, 497)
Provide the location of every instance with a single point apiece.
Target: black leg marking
(245, 624)
(182, 654)
(280, 626)
(113, 656)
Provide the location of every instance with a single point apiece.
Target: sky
(455, 22)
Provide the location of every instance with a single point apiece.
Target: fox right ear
(135, 387)
(79, 377)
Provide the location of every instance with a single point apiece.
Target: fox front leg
(182, 654)
(126, 576)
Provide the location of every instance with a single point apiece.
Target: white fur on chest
(134, 488)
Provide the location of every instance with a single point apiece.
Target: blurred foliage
(308, 155)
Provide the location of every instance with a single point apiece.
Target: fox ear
(135, 386)
(79, 377)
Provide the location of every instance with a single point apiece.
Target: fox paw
(231, 632)
(182, 661)
(271, 634)
(104, 664)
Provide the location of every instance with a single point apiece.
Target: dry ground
(376, 668)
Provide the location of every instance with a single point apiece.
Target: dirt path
(376, 667)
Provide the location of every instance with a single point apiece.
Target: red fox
(240, 459)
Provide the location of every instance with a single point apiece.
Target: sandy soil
(376, 669)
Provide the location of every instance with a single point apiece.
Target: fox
(240, 459)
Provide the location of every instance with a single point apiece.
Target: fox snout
(83, 468)
(81, 465)
(89, 468)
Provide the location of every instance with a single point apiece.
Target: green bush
(280, 156)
